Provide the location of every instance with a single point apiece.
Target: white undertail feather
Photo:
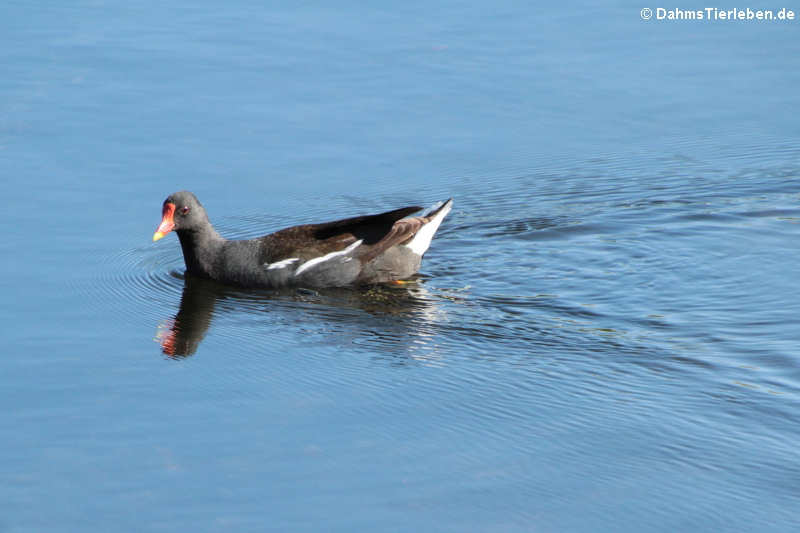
(422, 240)
(327, 257)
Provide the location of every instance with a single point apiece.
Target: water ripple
(132, 281)
(582, 267)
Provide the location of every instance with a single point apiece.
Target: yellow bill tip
(157, 235)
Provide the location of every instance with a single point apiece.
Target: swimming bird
(352, 251)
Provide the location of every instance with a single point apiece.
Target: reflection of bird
(359, 250)
(181, 335)
(398, 315)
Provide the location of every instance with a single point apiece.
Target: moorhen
(361, 250)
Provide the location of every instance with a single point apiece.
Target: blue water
(603, 335)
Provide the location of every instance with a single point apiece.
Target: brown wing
(371, 228)
(401, 231)
(314, 240)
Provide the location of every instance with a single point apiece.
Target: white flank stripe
(422, 240)
(282, 264)
(327, 257)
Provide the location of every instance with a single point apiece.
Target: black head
(181, 212)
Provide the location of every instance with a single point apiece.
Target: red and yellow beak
(167, 222)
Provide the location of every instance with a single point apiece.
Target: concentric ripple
(136, 282)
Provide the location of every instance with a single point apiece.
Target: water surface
(601, 336)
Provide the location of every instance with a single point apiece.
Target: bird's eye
(185, 210)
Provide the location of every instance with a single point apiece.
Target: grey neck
(201, 250)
